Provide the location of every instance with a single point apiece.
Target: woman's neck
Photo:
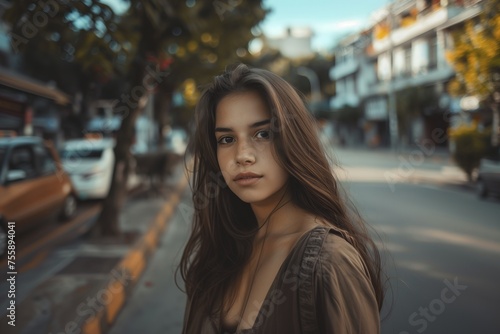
(286, 218)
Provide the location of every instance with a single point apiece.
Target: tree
(321, 65)
(412, 102)
(61, 40)
(476, 60)
(470, 145)
(221, 38)
(155, 43)
(349, 115)
(287, 68)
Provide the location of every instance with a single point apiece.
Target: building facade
(396, 70)
(294, 43)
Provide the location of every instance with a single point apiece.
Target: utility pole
(496, 117)
(391, 99)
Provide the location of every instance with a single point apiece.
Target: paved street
(157, 305)
(433, 235)
(441, 251)
(442, 246)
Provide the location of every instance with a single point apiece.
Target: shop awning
(31, 86)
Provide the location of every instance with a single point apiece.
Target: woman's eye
(225, 140)
(264, 134)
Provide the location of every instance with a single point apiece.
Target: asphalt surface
(440, 244)
(434, 237)
(440, 247)
(157, 305)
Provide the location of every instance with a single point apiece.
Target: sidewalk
(86, 295)
(431, 154)
(412, 166)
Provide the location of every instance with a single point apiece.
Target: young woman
(274, 246)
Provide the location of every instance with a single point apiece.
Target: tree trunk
(162, 107)
(144, 80)
(108, 222)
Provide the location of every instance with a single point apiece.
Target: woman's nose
(245, 154)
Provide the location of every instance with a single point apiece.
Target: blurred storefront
(30, 107)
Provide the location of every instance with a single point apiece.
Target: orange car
(33, 186)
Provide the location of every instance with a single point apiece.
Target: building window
(384, 67)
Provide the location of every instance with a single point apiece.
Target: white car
(89, 162)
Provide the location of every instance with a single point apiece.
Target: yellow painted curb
(134, 263)
(117, 302)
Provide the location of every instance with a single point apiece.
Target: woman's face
(245, 149)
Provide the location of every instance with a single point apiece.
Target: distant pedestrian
(275, 247)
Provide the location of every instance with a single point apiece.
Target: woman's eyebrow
(254, 125)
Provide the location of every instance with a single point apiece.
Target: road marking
(37, 245)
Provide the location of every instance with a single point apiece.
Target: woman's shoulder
(332, 251)
(334, 274)
(330, 238)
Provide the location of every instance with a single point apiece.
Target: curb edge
(134, 263)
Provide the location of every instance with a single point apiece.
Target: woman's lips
(246, 179)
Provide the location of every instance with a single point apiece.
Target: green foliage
(321, 66)
(213, 32)
(413, 101)
(84, 32)
(288, 69)
(470, 146)
(177, 43)
(348, 115)
(201, 39)
(476, 54)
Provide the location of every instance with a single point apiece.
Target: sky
(329, 19)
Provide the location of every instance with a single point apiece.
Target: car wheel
(69, 207)
(3, 239)
(481, 189)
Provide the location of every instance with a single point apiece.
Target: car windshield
(82, 154)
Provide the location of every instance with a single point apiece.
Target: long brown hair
(223, 226)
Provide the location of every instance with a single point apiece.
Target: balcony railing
(345, 68)
(424, 24)
(469, 3)
(426, 76)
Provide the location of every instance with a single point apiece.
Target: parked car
(33, 186)
(89, 162)
(488, 176)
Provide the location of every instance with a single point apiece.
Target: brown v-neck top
(323, 286)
